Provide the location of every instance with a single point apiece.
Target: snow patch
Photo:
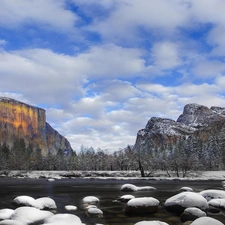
(40, 203)
(30, 215)
(195, 212)
(155, 222)
(187, 199)
(212, 194)
(206, 221)
(143, 202)
(63, 219)
(6, 213)
(132, 187)
(90, 200)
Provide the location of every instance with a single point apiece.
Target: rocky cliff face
(20, 120)
(197, 122)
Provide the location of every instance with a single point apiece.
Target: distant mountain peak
(197, 122)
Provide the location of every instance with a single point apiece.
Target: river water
(72, 191)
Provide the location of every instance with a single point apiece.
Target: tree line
(187, 154)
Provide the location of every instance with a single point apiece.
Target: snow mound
(143, 201)
(51, 179)
(128, 187)
(95, 212)
(6, 213)
(186, 189)
(70, 207)
(45, 203)
(63, 219)
(132, 187)
(90, 200)
(126, 198)
(195, 212)
(146, 188)
(10, 222)
(91, 206)
(30, 215)
(155, 222)
(212, 194)
(40, 203)
(186, 200)
(206, 221)
(218, 203)
(24, 200)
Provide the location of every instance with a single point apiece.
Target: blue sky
(101, 69)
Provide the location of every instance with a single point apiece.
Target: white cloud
(125, 20)
(51, 14)
(166, 55)
(216, 39)
(41, 75)
(207, 68)
(207, 11)
(112, 61)
(108, 90)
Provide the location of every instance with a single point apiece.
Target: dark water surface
(72, 191)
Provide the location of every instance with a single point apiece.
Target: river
(72, 191)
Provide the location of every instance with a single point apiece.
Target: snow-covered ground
(122, 175)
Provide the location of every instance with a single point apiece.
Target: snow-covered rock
(6, 213)
(212, 194)
(24, 200)
(40, 203)
(154, 222)
(183, 200)
(45, 203)
(195, 211)
(30, 215)
(95, 212)
(63, 219)
(142, 205)
(132, 187)
(128, 187)
(91, 206)
(126, 198)
(90, 200)
(51, 179)
(192, 213)
(70, 207)
(206, 221)
(146, 188)
(10, 222)
(186, 189)
(218, 203)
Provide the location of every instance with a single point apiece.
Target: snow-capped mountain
(201, 125)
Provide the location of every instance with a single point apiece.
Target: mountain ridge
(200, 127)
(20, 120)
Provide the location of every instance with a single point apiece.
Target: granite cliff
(20, 120)
(203, 127)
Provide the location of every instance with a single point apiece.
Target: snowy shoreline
(117, 175)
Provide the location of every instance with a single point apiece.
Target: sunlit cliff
(20, 120)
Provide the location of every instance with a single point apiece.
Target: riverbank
(119, 175)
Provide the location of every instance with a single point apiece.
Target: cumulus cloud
(166, 55)
(51, 77)
(137, 59)
(130, 16)
(51, 13)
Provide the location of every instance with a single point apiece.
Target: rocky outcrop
(197, 123)
(20, 120)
